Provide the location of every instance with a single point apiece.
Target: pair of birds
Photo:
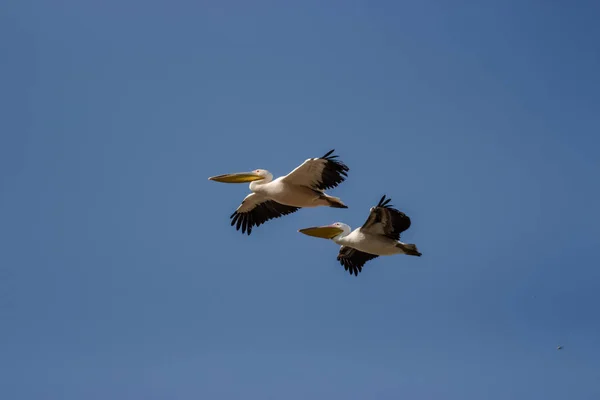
(305, 187)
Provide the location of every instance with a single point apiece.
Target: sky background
(121, 278)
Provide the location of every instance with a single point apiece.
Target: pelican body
(378, 236)
(304, 187)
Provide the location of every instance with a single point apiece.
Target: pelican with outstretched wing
(379, 236)
(304, 187)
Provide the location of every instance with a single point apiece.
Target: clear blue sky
(120, 277)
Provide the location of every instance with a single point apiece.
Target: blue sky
(121, 278)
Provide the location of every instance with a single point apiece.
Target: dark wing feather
(334, 172)
(255, 211)
(392, 222)
(353, 260)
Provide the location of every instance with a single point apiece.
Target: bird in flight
(378, 236)
(304, 187)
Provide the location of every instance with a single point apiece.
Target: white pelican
(379, 236)
(303, 187)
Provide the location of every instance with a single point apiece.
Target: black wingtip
(336, 205)
(328, 153)
(384, 202)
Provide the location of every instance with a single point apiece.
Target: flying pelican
(379, 236)
(302, 188)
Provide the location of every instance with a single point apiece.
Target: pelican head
(242, 177)
(327, 231)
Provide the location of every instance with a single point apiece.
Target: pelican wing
(353, 260)
(319, 173)
(256, 210)
(386, 220)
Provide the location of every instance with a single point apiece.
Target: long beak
(240, 177)
(324, 232)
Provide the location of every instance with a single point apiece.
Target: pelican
(379, 236)
(302, 188)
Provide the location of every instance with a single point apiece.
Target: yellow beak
(237, 178)
(324, 232)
